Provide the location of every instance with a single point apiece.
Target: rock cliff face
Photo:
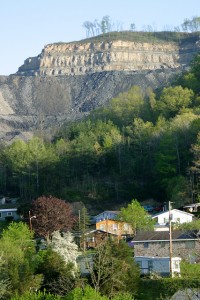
(90, 57)
(66, 81)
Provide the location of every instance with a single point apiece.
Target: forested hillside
(144, 144)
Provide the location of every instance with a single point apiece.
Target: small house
(175, 216)
(158, 265)
(9, 213)
(94, 238)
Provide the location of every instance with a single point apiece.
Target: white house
(176, 216)
(158, 265)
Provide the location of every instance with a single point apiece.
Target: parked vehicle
(148, 208)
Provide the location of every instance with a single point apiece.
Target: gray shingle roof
(164, 235)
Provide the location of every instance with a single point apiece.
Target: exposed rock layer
(83, 58)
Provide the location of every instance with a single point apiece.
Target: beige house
(119, 228)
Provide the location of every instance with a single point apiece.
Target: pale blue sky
(28, 25)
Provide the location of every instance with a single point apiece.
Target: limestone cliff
(67, 80)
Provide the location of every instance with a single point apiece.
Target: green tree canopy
(172, 99)
(20, 257)
(136, 216)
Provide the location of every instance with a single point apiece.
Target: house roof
(100, 231)
(172, 210)
(108, 211)
(8, 209)
(192, 205)
(154, 236)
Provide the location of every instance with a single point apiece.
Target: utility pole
(170, 241)
(30, 220)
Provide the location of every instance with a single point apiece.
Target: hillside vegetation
(143, 145)
(143, 36)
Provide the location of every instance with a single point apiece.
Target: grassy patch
(141, 36)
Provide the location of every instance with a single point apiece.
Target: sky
(28, 25)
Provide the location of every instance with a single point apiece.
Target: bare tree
(86, 25)
(108, 261)
(132, 27)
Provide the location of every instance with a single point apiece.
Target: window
(102, 227)
(9, 213)
(139, 263)
(189, 244)
(115, 226)
(126, 227)
(150, 265)
(162, 244)
(146, 245)
(0, 215)
(90, 239)
(175, 264)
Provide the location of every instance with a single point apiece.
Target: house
(156, 244)
(194, 207)
(158, 265)
(95, 237)
(176, 216)
(106, 215)
(9, 213)
(120, 228)
(85, 263)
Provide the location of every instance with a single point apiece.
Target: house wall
(7, 213)
(93, 239)
(159, 265)
(114, 227)
(183, 249)
(177, 217)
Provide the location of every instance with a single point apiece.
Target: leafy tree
(59, 276)
(20, 258)
(194, 169)
(127, 106)
(105, 24)
(136, 216)
(178, 191)
(51, 214)
(36, 296)
(172, 99)
(88, 293)
(195, 66)
(4, 279)
(64, 245)
(191, 25)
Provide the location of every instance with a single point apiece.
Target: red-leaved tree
(51, 214)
